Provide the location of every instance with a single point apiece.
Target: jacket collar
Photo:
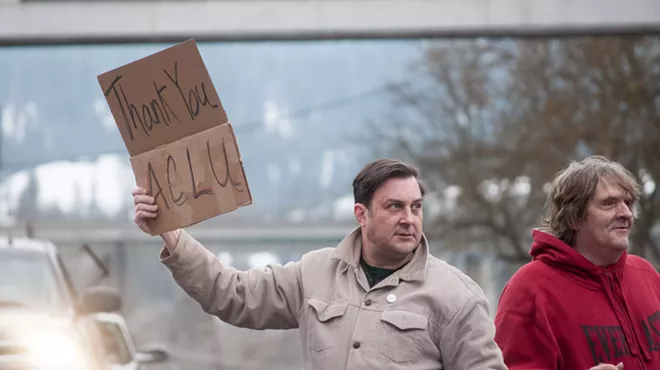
(349, 251)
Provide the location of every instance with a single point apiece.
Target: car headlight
(55, 350)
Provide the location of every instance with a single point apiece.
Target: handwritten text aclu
(155, 186)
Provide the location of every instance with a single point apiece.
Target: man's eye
(393, 206)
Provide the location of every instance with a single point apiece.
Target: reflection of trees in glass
(491, 121)
(28, 203)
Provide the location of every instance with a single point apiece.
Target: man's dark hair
(375, 173)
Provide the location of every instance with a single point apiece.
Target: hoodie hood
(554, 252)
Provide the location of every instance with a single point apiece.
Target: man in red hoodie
(583, 302)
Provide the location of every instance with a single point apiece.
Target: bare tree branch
(498, 119)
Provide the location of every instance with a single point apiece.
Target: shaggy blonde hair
(574, 186)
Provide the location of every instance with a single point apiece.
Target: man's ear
(360, 212)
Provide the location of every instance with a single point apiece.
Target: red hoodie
(560, 311)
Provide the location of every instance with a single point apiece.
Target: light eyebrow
(610, 198)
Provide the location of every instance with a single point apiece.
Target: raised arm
(266, 298)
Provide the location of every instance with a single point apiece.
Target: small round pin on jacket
(391, 298)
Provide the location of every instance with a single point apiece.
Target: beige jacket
(427, 315)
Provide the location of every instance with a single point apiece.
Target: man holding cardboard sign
(183, 148)
(378, 300)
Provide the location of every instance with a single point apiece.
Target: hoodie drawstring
(640, 338)
(633, 341)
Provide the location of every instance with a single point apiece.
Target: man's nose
(625, 210)
(407, 216)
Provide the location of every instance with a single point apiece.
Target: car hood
(17, 321)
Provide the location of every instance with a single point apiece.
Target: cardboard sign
(182, 147)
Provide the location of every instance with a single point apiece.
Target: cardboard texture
(182, 146)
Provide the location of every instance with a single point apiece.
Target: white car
(44, 321)
(121, 352)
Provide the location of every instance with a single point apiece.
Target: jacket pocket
(401, 335)
(324, 324)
